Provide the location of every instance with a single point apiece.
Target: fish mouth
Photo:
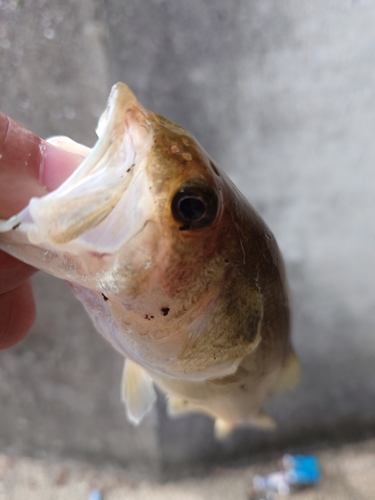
(72, 215)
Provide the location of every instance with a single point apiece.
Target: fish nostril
(214, 168)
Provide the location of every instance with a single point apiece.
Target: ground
(347, 474)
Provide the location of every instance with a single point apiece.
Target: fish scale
(176, 269)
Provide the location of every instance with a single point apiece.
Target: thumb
(29, 166)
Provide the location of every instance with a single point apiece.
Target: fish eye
(195, 206)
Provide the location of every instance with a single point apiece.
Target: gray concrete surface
(282, 95)
(347, 474)
(60, 391)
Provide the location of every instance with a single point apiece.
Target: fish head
(150, 235)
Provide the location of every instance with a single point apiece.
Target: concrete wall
(282, 95)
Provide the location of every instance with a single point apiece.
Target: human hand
(29, 167)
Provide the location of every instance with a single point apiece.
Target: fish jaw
(184, 304)
(69, 231)
(92, 192)
(94, 232)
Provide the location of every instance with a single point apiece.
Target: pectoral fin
(137, 391)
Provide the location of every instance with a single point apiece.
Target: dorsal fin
(137, 391)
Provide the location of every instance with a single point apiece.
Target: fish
(174, 266)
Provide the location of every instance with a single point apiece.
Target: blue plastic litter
(95, 495)
(299, 470)
(302, 469)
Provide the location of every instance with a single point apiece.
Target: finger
(21, 159)
(29, 166)
(13, 272)
(17, 314)
(58, 164)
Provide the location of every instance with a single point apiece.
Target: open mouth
(95, 190)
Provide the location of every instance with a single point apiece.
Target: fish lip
(91, 193)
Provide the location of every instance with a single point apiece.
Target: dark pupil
(192, 209)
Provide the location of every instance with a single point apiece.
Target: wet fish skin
(201, 311)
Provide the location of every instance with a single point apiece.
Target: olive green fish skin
(200, 307)
(253, 296)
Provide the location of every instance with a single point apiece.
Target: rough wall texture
(282, 95)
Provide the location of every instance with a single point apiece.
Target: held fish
(176, 269)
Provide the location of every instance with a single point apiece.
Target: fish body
(176, 269)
